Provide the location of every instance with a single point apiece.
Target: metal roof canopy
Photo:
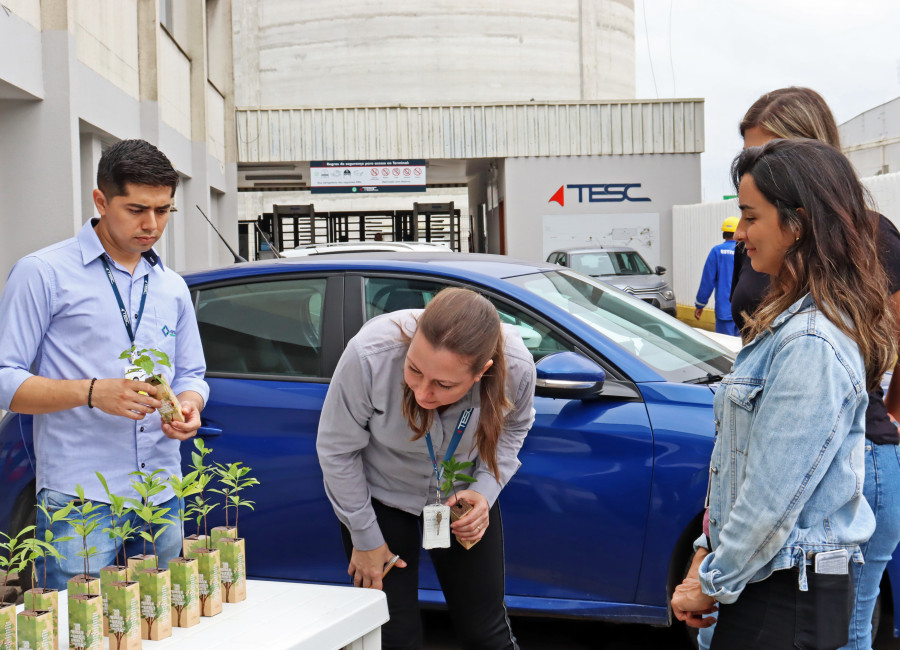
(590, 128)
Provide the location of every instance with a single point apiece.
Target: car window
(409, 293)
(672, 348)
(629, 263)
(263, 328)
(593, 264)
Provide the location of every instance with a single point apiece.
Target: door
(269, 354)
(575, 513)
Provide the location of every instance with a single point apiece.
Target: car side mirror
(568, 375)
(660, 270)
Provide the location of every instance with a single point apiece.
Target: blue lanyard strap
(454, 443)
(125, 318)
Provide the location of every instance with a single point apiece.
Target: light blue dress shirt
(59, 319)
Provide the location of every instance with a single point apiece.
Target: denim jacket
(786, 475)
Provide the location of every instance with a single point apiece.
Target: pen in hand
(390, 565)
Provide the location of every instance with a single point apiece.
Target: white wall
(666, 179)
(697, 228)
(106, 36)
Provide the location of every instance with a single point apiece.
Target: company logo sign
(598, 193)
(167, 332)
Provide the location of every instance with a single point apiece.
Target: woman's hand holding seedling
(367, 567)
(472, 526)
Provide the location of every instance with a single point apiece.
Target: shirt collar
(802, 303)
(92, 247)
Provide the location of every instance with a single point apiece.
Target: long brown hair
(793, 112)
(834, 257)
(467, 324)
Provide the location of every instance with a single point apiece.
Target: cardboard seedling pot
(109, 575)
(233, 572)
(137, 563)
(457, 511)
(222, 532)
(35, 630)
(124, 615)
(210, 584)
(156, 604)
(171, 407)
(191, 544)
(7, 626)
(45, 600)
(185, 592)
(85, 622)
(82, 584)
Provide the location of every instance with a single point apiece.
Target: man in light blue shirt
(66, 315)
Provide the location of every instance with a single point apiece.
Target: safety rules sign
(330, 176)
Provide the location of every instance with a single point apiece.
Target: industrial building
(78, 75)
(523, 112)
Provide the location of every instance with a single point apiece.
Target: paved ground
(565, 634)
(559, 634)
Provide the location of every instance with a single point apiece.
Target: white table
(278, 615)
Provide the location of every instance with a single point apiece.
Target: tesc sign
(598, 193)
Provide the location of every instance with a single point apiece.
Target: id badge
(436, 526)
(135, 373)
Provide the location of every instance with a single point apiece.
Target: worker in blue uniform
(717, 274)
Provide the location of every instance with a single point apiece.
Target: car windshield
(676, 351)
(610, 263)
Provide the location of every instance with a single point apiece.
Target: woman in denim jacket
(786, 509)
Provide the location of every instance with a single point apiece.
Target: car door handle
(209, 432)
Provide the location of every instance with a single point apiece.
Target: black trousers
(774, 614)
(472, 582)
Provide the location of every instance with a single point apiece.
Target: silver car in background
(623, 268)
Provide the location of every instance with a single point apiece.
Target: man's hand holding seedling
(125, 397)
(191, 404)
(471, 527)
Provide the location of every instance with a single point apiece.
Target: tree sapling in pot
(148, 360)
(233, 479)
(42, 598)
(117, 586)
(85, 603)
(155, 583)
(14, 557)
(185, 570)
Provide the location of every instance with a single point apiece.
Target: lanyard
(125, 318)
(454, 442)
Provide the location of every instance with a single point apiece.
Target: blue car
(599, 520)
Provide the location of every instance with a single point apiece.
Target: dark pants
(774, 614)
(472, 582)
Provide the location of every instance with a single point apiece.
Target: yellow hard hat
(730, 224)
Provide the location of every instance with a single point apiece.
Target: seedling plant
(17, 552)
(149, 485)
(45, 548)
(233, 478)
(85, 521)
(184, 488)
(452, 474)
(120, 529)
(200, 508)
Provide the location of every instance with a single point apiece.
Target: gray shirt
(364, 441)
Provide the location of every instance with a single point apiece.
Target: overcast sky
(729, 52)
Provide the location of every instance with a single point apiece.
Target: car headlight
(668, 295)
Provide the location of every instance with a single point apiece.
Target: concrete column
(91, 150)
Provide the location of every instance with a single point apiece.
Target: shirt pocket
(742, 395)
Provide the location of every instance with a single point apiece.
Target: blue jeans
(882, 491)
(168, 545)
(727, 327)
